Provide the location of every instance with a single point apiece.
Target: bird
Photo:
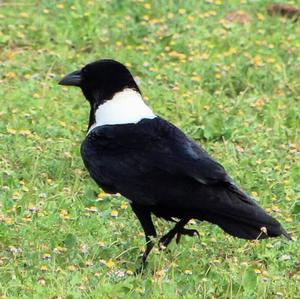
(130, 150)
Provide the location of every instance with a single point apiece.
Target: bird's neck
(125, 107)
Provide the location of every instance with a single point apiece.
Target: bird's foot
(166, 239)
(187, 232)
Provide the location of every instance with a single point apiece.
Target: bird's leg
(178, 230)
(144, 217)
(167, 238)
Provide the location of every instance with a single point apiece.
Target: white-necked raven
(130, 150)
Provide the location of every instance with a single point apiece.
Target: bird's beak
(72, 79)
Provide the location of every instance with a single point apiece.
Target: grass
(234, 88)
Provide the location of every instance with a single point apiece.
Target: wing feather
(133, 158)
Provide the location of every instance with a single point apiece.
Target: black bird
(131, 151)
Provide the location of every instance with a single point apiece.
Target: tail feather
(240, 216)
(248, 230)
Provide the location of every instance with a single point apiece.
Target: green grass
(233, 88)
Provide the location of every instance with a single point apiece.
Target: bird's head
(101, 80)
(113, 94)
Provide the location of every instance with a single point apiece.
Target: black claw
(188, 232)
(178, 237)
(177, 231)
(165, 240)
(163, 243)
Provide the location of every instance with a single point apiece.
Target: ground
(228, 78)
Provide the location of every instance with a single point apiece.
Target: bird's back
(154, 164)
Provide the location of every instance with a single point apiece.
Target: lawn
(232, 85)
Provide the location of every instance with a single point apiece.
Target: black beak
(72, 79)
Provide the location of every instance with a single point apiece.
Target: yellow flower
(160, 273)
(59, 249)
(32, 208)
(101, 243)
(36, 95)
(16, 195)
(196, 78)
(119, 44)
(11, 75)
(11, 131)
(27, 219)
(270, 60)
(114, 213)
(63, 214)
(25, 132)
(25, 189)
(147, 5)
(71, 268)
(260, 16)
(44, 268)
(102, 194)
(275, 208)
(9, 221)
(60, 6)
(110, 264)
(188, 271)
(257, 61)
(62, 123)
(23, 14)
(91, 209)
(204, 56)
(46, 256)
(88, 263)
(230, 52)
(123, 206)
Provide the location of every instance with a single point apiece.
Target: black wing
(122, 156)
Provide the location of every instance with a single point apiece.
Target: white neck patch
(125, 107)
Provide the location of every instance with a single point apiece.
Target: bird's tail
(240, 216)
